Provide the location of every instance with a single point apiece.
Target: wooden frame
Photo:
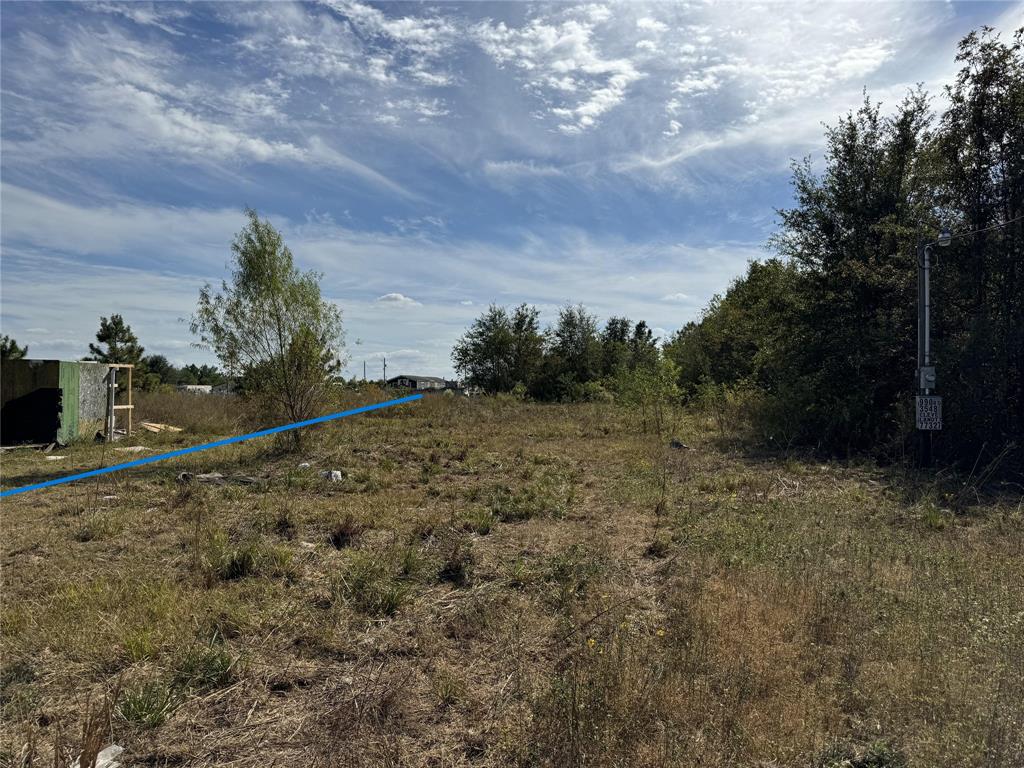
(128, 407)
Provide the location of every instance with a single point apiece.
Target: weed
(659, 547)
(539, 499)
(520, 574)
(346, 532)
(878, 754)
(366, 584)
(147, 704)
(240, 562)
(284, 524)
(140, 645)
(410, 562)
(99, 526)
(457, 566)
(448, 687)
(479, 521)
(202, 667)
(571, 572)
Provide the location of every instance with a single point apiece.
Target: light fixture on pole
(928, 405)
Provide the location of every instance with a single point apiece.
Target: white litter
(304, 465)
(107, 758)
(55, 458)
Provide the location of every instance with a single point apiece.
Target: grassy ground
(495, 583)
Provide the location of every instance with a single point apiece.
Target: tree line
(820, 340)
(815, 345)
(116, 342)
(574, 359)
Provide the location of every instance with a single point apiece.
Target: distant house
(196, 389)
(406, 381)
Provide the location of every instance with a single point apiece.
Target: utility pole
(927, 405)
(385, 371)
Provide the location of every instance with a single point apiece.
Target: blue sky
(429, 159)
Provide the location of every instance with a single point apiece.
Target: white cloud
(675, 297)
(648, 24)
(161, 16)
(114, 93)
(115, 258)
(398, 299)
(564, 56)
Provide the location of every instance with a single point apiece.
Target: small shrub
(147, 704)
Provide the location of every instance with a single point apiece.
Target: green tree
(575, 341)
(270, 326)
(485, 355)
(160, 367)
(615, 352)
(120, 343)
(643, 349)
(9, 349)
(978, 284)
(527, 344)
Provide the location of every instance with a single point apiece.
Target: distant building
(406, 381)
(196, 389)
(51, 401)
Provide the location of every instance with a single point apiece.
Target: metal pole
(924, 344)
(385, 371)
(111, 395)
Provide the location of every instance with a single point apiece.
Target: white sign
(929, 412)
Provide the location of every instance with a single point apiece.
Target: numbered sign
(929, 412)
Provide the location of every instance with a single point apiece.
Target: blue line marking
(215, 444)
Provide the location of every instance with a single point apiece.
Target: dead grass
(497, 583)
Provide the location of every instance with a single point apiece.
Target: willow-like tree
(271, 328)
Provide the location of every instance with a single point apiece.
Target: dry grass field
(496, 583)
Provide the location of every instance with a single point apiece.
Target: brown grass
(516, 585)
